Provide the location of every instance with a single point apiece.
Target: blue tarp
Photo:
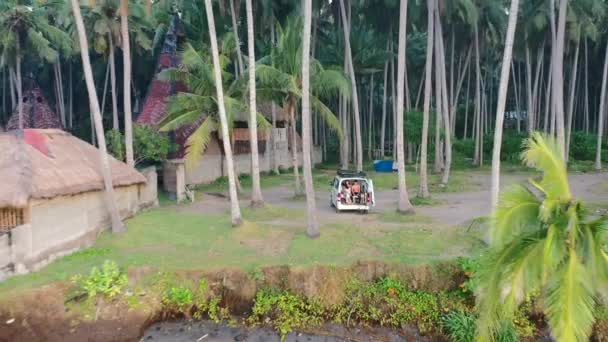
(384, 166)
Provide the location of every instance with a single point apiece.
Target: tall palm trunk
(477, 119)
(353, 80)
(217, 71)
(602, 109)
(571, 98)
(273, 108)
(404, 205)
(256, 190)
(371, 118)
(126, 62)
(112, 70)
(441, 70)
(502, 99)
(19, 81)
(294, 146)
(383, 124)
(558, 77)
(313, 226)
(423, 190)
(235, 31)
(117, 225)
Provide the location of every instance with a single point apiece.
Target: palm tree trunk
(105, 90)
(234, 201)
(256, 189)
(71, 97)
(466, 107)
(558, 77)
(112, 64)
(571, 98)
(294, 147)
(441, 70)
(355, 99)
(117, 225)
(371, 118)
(273, 108)
(477, 119)
(19, 83)
(502, 99)
(126, 62)
(404, 205)
(602, 109)
(383, 124)
(535, 111)
(235, 31)
(12, 81)
(312, 229)
(586, 97)
(516, 95)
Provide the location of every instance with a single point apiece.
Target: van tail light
(339, 196)
(369, 197)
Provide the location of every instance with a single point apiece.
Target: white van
(352, 190)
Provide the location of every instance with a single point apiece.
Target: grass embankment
(168, 239)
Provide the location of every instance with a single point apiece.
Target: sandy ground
(453, 209)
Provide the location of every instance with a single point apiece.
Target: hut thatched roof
(36, 111)
(37, 163)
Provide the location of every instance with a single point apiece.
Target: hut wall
(65, 224)
(213, 165)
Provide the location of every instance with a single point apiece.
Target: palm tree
(126, 62)
(423, 191)
(217, 72)
(313, 226)
(117, 225)
(353, 82)
(404, 205)
(544, 241)
(25, 29)
(280, 80)
(256, 191)
(600, 125)
(502, 99)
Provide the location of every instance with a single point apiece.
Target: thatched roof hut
(38, 164)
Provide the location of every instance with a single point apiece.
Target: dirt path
(454, 209)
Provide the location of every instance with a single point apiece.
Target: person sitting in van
(356, 191)
(347, 192)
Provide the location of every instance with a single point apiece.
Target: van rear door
(371, 191)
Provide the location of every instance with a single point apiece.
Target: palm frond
(198, 141)
(41, 45)
(517, 210)
(330, 119)
(542, 152)
(328, 83)
(569, 301)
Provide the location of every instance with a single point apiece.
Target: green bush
(107, 281)
(285, 310)
(459, 326)
(178, 299)
(469, 268)
(149, 145)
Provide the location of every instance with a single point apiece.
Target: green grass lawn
(168, 239)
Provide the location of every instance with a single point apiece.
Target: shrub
(178, 299)
(459, 326)
(469, 267)
(149, 145)
(108, 281)
(285, 310)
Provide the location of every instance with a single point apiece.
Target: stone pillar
(174, 179)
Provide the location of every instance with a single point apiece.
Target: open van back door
(371, 190)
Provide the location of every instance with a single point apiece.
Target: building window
(11, 218)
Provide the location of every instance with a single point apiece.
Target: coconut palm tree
(25, 30)
(313, 226)
(544, 242)
(126, 62)
(353, 81)
(256, 189)
(423, 191)
(117, 225)
(217, 72)
(502, 99)
(403, 205)
(280, 80)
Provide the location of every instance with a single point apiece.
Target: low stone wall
(213, 164)
(64, 224)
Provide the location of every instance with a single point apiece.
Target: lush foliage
(543, 241)
(108, 281)
(149, 145)
(459, 326)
